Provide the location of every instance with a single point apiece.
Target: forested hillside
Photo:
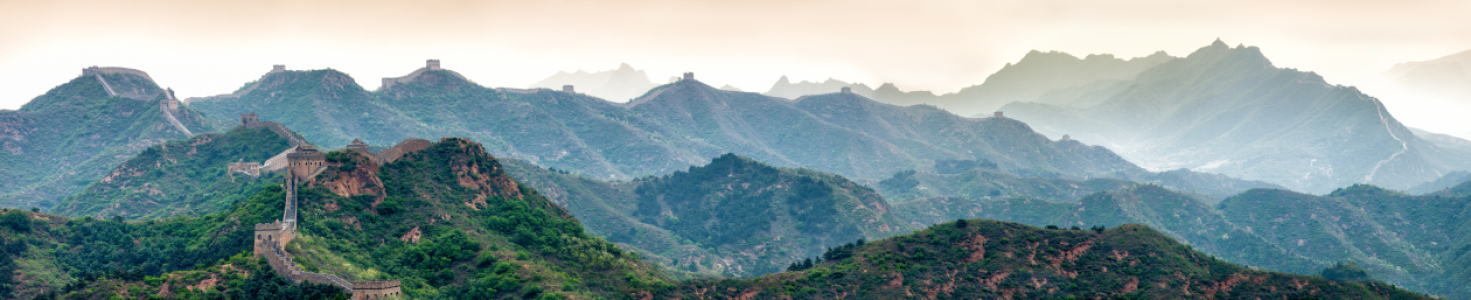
(60, 142)
(181, 177)
(732, 217)
(974, 259)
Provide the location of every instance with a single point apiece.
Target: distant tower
(1066, 138)
(999, 115)
(568, 88)
(387, 82)
(689, 75)
(359, 145)
(278, 68)
(249, 119)
(847, 90)
(305, 161)
(433, 64)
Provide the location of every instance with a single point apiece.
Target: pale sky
(202, 48)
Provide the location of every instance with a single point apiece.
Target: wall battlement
(95, 70)
(247, 168)
(270, 238)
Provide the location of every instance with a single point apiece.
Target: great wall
(302, 162)
(169, 105)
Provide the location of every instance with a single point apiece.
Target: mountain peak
(625, 67)
(1218, 43)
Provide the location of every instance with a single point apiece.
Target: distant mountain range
(784, 88)
(1446, 76)
(1048, 77)
(1230, 111)
(1442, 87)
(618, 85)
(669, 128)
(62, 141)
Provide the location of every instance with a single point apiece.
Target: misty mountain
(784, 88)
(618, 85)
(1448, 76)
(61, 141)
(1230, 111)
(670, 128)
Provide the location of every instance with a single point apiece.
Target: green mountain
(444, 221)
(60, 142)
(668, 129)
(973, 259)
(733, 217)
(324, 106)
(182, 177)
(1450, 180)
(1230, 111)
(980, 179)
(447, 222)
(1416, 242)
(1410, 241)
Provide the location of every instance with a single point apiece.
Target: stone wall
(247, 168)
(376, 289)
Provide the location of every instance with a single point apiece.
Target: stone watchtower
(278, 68)
(359, 146)
(847, 90)
(433, 64)
(249, 119)
(689, 75)
(305, 162)
(999, 115)
(1066, 138)
(568, 88)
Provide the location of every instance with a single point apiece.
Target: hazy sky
(212, 47)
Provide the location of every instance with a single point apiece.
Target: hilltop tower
(1066, 138)
(359, 146)
(999, 115)
(249, 119)
(433, 64)
(847, 90)
(305, 162)
(689, 75)
(278, 68)
(568, 88)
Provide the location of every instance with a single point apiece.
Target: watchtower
(249, 119)
(847, 90)
(999, 115)
(1066, 138)
(305, 162)
(433, 64)
(278, 68)
(689, 75)
(360, 146)
(568, 88)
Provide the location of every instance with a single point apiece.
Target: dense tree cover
(181, 177)
(240, 277)
(988, 259)
(734, 204)
(450, 224)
